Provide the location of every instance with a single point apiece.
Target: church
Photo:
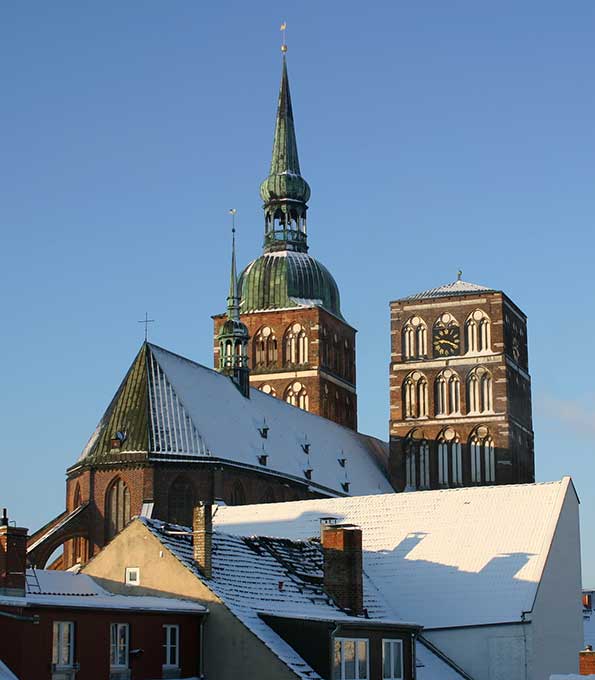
(277, 418)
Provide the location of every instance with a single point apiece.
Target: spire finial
(233, 303)
(459, 274)
(283, 43)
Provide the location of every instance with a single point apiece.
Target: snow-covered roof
(259, 576)
(52, 588)
(457, 287)
(196, 413)
(456, 557)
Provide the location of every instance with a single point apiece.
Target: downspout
(201, 648)
(332, 649)
(524, 621)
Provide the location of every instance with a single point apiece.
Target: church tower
(460, 390)
(301, 350)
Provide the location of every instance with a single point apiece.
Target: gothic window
(415, 395)
(269, 495)
(415, 338)
(265, 347)
(324, 346)
(238, 497)
(77, 500)
(417, 463)
(480, 397)
(450, 459)
(447, 390)
(478, 332)
(446, 339)
(117, 508)
(297, 395)
(180, 502)
(268, 389)
(483, 458)
(296, 345)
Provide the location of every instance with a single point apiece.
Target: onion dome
(285, 279)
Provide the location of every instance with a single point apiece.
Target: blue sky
(434, 136)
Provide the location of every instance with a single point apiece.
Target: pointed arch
(238, 495)
(417, 461)
(415, 395)
(447, 393)
(483, 456)
(480, 397)
(268, 389)
(77, 497)
(268, 495)
(296, 344)
(450, 458)
(414, 335)
(180, 501)
(117, 508)
(265, 350)
(478, 332)
(296, 394)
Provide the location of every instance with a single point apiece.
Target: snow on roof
(456, 557)
(259, 576)
(67, 589)
(228, 425)
(457, 287)
(6, 673)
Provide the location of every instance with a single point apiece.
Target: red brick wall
(328, 390)
(92, 630)
(13, 551)
(343, 579)
(586, 662)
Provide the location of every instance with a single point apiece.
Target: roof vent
(308, 473)
(262, 458)
(264, 430)
(342, 461)
(345, 486)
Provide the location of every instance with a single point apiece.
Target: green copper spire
(285, 192)
(233, 335)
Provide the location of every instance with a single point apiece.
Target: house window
(350, 659)
(392, 659)
(132, 576)
(171, 646)
(63, 643)
(119, 644)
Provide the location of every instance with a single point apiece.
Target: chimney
(202, 530)
(343, 576)
(586, 661)
(13, 558)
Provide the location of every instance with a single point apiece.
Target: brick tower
(301, 349)
(460, 390)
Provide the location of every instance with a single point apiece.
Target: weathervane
(283, 43)
(146, 321)
(233, 212)
(459, 274)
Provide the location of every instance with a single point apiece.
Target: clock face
(447, 341)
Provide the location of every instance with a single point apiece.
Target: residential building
(57, 625)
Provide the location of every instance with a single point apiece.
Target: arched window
(450, 459)
(417, 462)
(265, 347)
(238, 497)
(180, 502)
(297, 395)
(269, 495)
(480, 397)
(415, 338)
(77, 499)
(478, 332)
(268, 389)
(296, 345)
(117, 508)
(447, 389)
(324, 360)
(483, 458)
(415, 395)
(446, 339)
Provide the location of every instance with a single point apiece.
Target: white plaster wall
(487, 652)
(557, 617)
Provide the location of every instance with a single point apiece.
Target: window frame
(60, 627)
(391, 642)
(117, 627)
(128, 572)
(341, 640)
(167, 645)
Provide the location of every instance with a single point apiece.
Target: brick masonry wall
(586, 661)
(510, 425)
(330, 385)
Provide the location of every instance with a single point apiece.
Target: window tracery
(297, 395)
(268, 389)
(415, 338)
(417, 462)
(483, 457)
(450, 459)
(478, 332)
(117, 508)
(265, 347)
(447, 393)
(480, 398)
(415, 395)
(238, 496)
(296, 345)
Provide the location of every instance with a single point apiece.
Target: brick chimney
(343, 576)
(586, 661)
(202, 528)
(13, 558)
